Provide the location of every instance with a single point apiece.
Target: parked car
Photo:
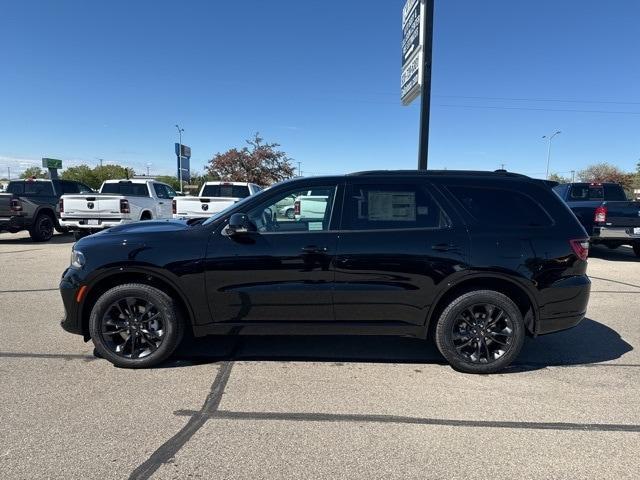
(32, 205)
(476, 260)
(303, 205)
(119, 202)
(213, 198)
(604, 211)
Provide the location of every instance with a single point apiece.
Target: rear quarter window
(503, 207)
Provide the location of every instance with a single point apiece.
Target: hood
(148, 226)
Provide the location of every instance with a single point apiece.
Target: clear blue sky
(85, 80)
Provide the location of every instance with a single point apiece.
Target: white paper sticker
(315, 225)
(392, 206)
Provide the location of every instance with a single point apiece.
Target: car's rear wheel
(42, 228)
(480, 332)
(135, 326)
(636, 249)
(290, 213)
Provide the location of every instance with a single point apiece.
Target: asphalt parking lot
(302, 407)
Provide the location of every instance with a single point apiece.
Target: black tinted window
(585, 191)
(161, 190)
(126, 188)
(383, 207)
(70, 187)
(234, 191)
(501, 207)
(614, 193)
(15, 187)
(38, 188)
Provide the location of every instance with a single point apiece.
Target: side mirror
(239, 224)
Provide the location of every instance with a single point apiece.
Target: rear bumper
(69, 285)
(565, 304)
(614, 233)
(92, 223)
(13, 223)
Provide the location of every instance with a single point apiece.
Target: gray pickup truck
(33, 204)
(605, 212)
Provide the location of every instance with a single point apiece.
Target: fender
(479, 275)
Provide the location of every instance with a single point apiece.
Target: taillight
(61, 206)
(600, 214)
(15, 205)
(296, 207)
(580, 248)
(124, 206)
(174, 206)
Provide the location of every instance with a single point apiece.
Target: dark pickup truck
(605, 212)
(32, 205)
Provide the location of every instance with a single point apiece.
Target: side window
(70, 187)
(295, 211)
(392, 206)
(84, 188)
(501, 207)
(16, 187)
(614, 193)
(161, 190)
(38, 189)
(561, 190)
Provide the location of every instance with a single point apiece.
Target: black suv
(477, 260)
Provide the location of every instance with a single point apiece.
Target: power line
(491, 107)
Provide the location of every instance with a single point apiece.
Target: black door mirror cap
(240, 224)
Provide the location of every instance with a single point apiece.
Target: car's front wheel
(480, 332)
(135, 326)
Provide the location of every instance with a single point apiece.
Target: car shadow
(590, 342)
(59, 238)
(620, 254)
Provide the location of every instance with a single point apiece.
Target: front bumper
(92, 223)
(565, 304)
(69, 285)
(614, 233)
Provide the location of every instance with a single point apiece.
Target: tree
(112, 172)
(605, 172)
(170, 180)
(83, 174)
(260, 163)
(555, 177)
(34, 172)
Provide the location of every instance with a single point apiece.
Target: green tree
(34, 172)
(83, 174)
(555, 177)
(259, 162)
(169, 180)
(112, 172)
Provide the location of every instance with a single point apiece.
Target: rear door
(398, 243)
(164, 200)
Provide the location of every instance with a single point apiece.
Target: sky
(89, 80)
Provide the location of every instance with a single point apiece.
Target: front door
(397, 246)
(284, 271)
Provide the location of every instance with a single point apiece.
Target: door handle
(314, 249)
(445, 247)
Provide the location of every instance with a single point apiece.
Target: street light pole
(180, 130)
(549, 138)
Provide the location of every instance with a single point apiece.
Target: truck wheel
(42, 228)
(135, 326)
(480, 332)
(636, 249)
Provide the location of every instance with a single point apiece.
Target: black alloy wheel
(42, 228)
(481, 331)
(135, 326)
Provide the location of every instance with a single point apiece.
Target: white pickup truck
(213, 198)
(119, 202)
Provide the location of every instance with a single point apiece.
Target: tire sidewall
(172, 324)
(444, 331)
(36, 229)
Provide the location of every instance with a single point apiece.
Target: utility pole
(180, 131)
(299, 171)
(9, 173)
(573, 176)
(549, 138)
(425, 100)
(502, 166)
(148, 167)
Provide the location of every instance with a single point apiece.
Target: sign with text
(51, 163)
(183, 154)
(412, 50)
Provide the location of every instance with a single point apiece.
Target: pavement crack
(167, 451)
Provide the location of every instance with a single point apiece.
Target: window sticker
(392, 206)
(315, 226)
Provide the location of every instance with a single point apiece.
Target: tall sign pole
(415, 80)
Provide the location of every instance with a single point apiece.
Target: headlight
(77, 259)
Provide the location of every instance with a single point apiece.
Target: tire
(290, 213)
(146, 216)
(636, 249)
(42, 228)
(463, 331)
(79, 234)
(112, 328)
(612, 246)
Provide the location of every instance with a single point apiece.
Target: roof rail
(469, 173)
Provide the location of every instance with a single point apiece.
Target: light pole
(180, 130)
(549, 138)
